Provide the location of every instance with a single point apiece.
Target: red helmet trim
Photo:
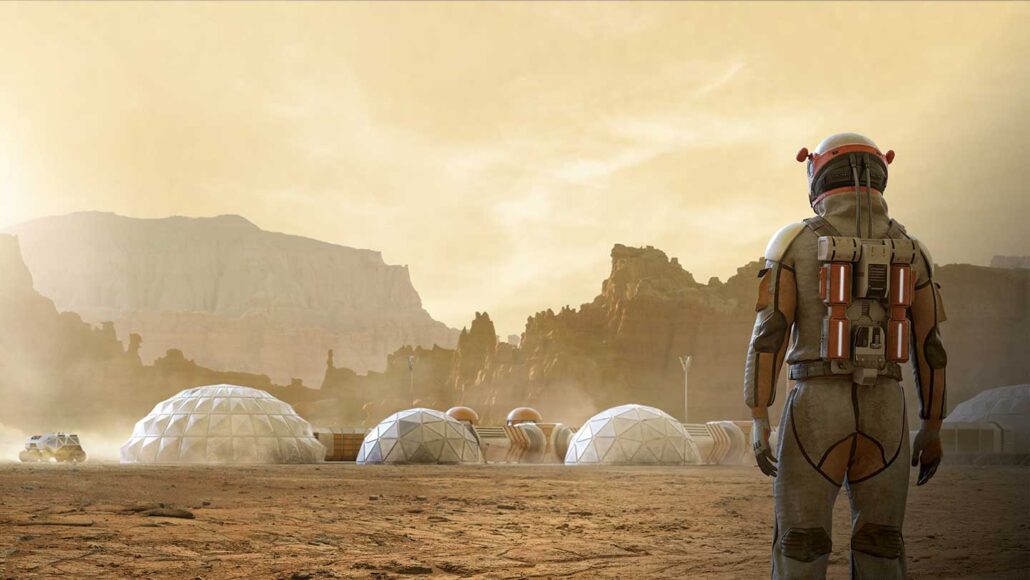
(845, 189)
(821, 159)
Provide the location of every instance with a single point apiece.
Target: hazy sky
(501, 150)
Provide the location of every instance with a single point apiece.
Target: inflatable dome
(464, 414)
(222, 424)
(420, 436)
(632, 435)
(524, 415)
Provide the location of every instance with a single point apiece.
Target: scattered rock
(141, 508)
(77, 523)
(410, 569)
(455, 568)
(169, 513)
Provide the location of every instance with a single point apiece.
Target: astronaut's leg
(878, 483)
(818, 415)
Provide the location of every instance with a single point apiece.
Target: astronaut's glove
(926, 453)
(760, 431)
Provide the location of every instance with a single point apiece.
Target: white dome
(420, 436)
(1009, 407)
(222, 424)
(632, 435)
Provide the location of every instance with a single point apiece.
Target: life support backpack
(867, 286)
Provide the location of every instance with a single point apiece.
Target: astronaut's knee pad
(805, 544)
(878, 540)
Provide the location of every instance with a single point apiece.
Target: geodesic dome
(632, 435)
(222, 424)
(420, 436)
(1009, 407)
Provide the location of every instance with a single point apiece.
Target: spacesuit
(844, 298)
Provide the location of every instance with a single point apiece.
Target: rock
(227, 293)
(625, 345)
(169, 513)
(622, 346)
(1011, 262)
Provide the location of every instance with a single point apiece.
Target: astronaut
(844, 298)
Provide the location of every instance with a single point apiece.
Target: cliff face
(229, 294)
(626, 346)
(60, 373)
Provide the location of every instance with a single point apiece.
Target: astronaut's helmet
(842, 159)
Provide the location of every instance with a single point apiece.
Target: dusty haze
(499, 150)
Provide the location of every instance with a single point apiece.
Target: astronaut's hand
(760, 431)
(926, 453)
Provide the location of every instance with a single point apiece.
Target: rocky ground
(342, 520)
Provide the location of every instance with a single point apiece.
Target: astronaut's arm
(930, 360)
(776, 305)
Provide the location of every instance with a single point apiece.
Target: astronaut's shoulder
(781, 241)
(925, 252)
(897, 228)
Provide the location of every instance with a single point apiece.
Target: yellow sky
(500, 150)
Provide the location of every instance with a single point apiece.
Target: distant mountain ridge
(228, 293)
(625, 346)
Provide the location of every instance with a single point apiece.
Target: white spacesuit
(844, 297)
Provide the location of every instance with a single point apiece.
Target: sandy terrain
(342, 520)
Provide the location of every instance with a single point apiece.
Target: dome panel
(236, 406)
(291, 447)
(220, 405)
(244, 449)
(148, 450)
(159, 424)
(219, 448)
(251, 405)
(279, 426)
(168, 452)
(196, 426)
(193, 449)
(131, 447)
(203, 405)
(241, 425)
(219, 425)
(267, 449)
(262, 425)
(176, 425)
